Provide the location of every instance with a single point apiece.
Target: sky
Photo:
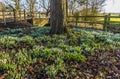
(112, 6)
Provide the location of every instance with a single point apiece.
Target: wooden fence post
(76, 23)
(39, 15)
(105, 22)
(20, 15)
(108, 21)
(76, 17)
(14, 14)
(24, 15)
(36, 14)
(4, 20)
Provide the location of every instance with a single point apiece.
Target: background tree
(86, 6)
(75, 5)
(45, 5)
(31, 6)
(15, 5)
(3, 9)
(71, 6)
(96, 6)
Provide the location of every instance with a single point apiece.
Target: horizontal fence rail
(103, 20)
(12, 16)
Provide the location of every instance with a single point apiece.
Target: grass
(117, 20)
(33, 53)
(40, 22)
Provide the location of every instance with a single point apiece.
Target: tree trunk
(58, 16)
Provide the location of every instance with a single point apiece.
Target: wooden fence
(104, 21)
(12, 16)
(9, 16)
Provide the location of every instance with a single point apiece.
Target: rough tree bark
(58, 16)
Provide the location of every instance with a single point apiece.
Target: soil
(14, 25)
(102, 65)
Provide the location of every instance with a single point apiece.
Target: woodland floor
(13, 25)
(100, 65)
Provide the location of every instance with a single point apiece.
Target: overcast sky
(112, 6)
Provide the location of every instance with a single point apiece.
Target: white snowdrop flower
(3, 51)
(3, 60)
